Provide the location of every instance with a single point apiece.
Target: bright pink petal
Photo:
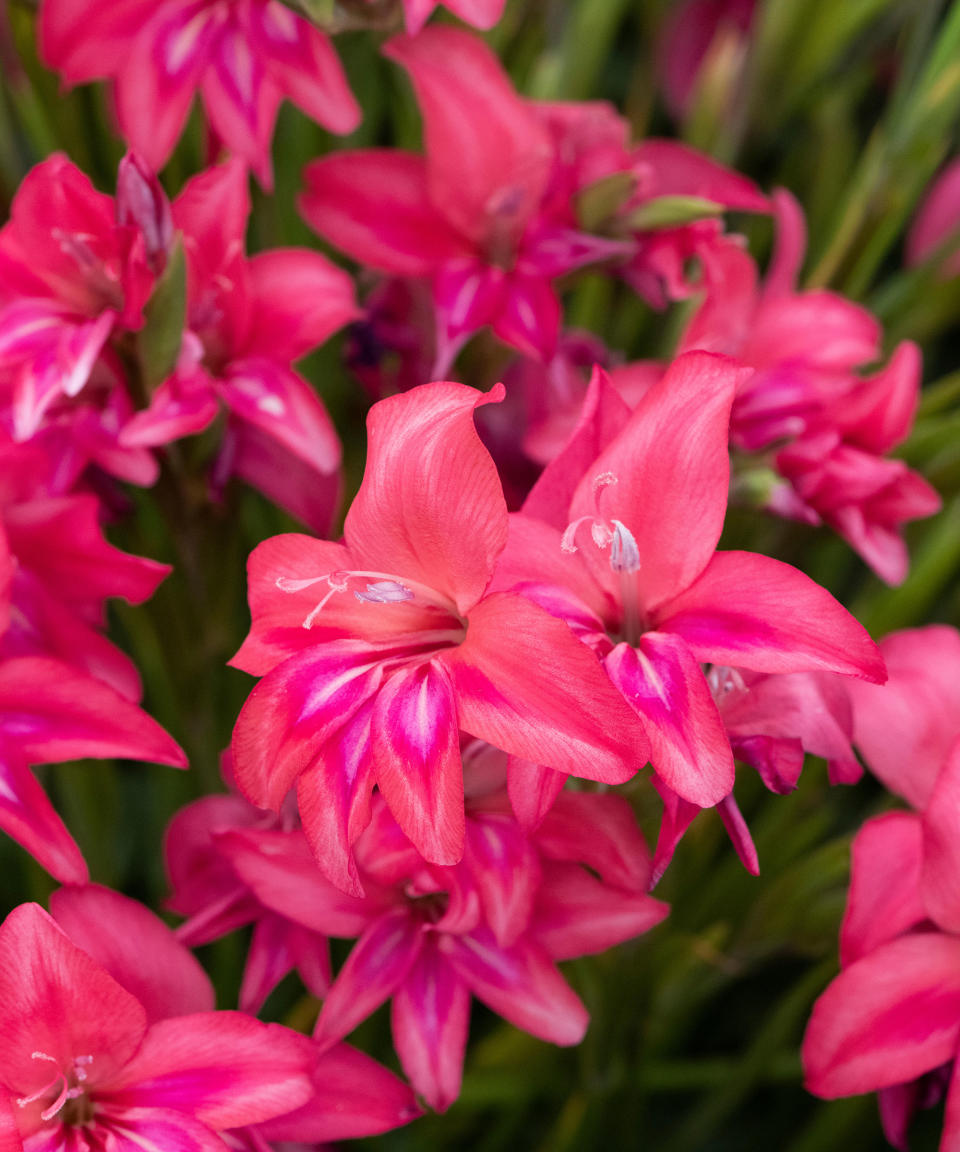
(559, 709)
(299, 299)
(495, 165)
(278, 402)
(177, 408)
(224, 1068)
(303, 64)
(69, 44)
(847, 334)
(138, 950)
(353, 1096)
(739, 833)
(578, 915)
(886, 1019)
(212, 211)
(615, 848)
(682, 171)
(430, 506)
(57, 1000)
(671, 472)
(415, 749)
(941, 846)
(506, 870)
(159, 74)
(938, 218)
(378, 964)
(27, 815)
(133, 1129)
(664, 683)
(430, 1020)
(678, 815)
(519, 983)
(55, 713)
(268, 960)
(479, 13)
(755, 612)
(885, 897)
(375, 207)
(529, 317)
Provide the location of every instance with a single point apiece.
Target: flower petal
(941, 846)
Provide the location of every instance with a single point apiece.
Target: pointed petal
(664, 682)
(302, 62)
(300, 298)
(579, 915)
(268, 961)
(56, 999)
(138, 950)
(529, 316)
(672, 470)
(601, 419)
(134, 1129)
(224, 1068)
(378, 964)
(615, 848)
(212, 211)
(477, 165)
(678, 815)
(56, 713)
(280, 403)
(755, 612)
(520, 983)
(374, 206)
(683, 171)
(415, 750)
(886, 1019)
(430, 1019)
(430, 506)
(885, 898)
(739, 834)
(556, 707)
(68, 45)
(480, 13)
(506, 870)
(353, 1096)
(27, 815)
(177, 408)
(533, 789)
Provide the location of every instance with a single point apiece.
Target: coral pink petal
(755, 612)
(669, 471)
(888, 1018)
(430, 506)
(519, 983)
(941, 846)
(225, 1068)
(56, 999)
(430, 1019)
(299, 299)
(506, 870)
(138, 950)
(664, 682)
(615, 849)
(378, 964)
(495, 165)
(415, 752)
(532, 789)
(885, 894)
(374, 206)
(558, 709)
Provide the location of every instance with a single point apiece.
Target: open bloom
(469, 214)
(492, 927)
(243, 57)
(376, 652)
(247, 319)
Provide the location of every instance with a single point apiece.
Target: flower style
(377, 651)
(243, 56)
(619, 538)
(466, 215)
(492, 927)
(247, 319)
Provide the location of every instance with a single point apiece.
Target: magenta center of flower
(65, 1093)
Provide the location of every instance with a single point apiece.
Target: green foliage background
(694, 1042)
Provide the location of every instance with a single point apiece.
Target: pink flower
(937, 220)
(243, 57)
(247, 320)
(492, 927)
(619, 538)
(117, 1036)
(466, 215)
(377, 651)
(693, 32)
(479, 13)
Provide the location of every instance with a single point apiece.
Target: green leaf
(158, 342)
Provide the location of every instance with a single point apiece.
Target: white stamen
(624, 553)
(385, 592)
